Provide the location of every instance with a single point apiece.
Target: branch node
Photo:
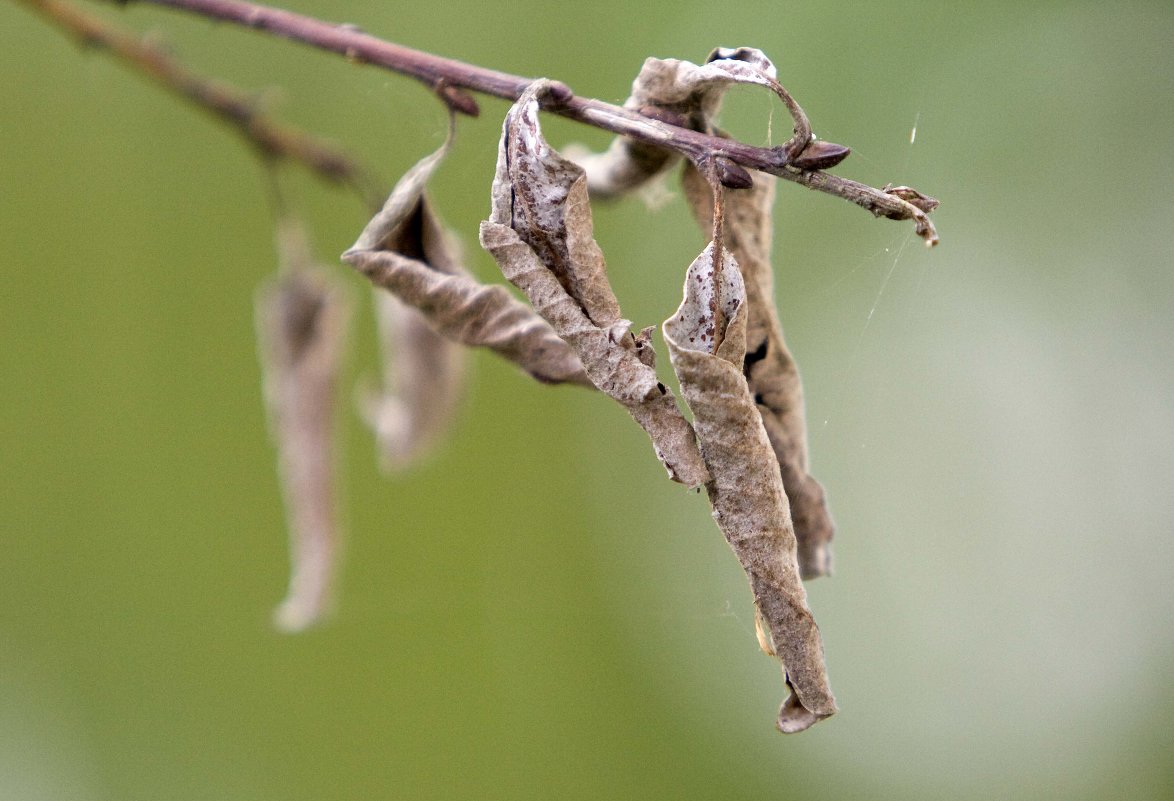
(456, 98)
(820, 155)
(556, 95)
(725, 171)
(912, 197)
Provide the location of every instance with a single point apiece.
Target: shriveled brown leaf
(302, 318)
(679, 92)
(406, 251)
(746, 490)
(770, 369)
(540, 234)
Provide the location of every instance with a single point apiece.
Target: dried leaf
(770, 370)
(746, 491)
(388, 227)
(676, 91)
(696, 91)
(302, 319)
(406, 250)
(543, 198)
(540, 233)
(475, 314)
(422, 370)
(422, 379)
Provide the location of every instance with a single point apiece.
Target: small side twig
(227, 103)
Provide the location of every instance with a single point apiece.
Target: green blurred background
(537, 612)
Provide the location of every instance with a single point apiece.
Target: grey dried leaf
(422, 371)
(302, 319)
(475, 314)
(543, 198)
(680, 92)
(406, 251)
(423, 374)
(540, 234)
(390, 226)
(746, 491)
(696, 90)
(770, 370)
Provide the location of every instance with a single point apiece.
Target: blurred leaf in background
(537, 612)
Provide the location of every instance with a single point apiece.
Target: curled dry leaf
(422, 378)
(540, 234)
(406, 251)
(685, 94)
(302, 318)
(422, 370)
(770, 369)
(746, 490)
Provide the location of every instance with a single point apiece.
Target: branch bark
(239, 109)
(449, 78)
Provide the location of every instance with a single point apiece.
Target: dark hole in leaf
(408, 240)
(753, 358)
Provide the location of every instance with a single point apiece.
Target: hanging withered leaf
(770, 370)
(707, 342)
(406, 251)
(540, 233)
(689, 95)
(423, 374)
(302, 320)
(422, 371)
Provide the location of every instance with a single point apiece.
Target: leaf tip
(794, 717)
(297, 614)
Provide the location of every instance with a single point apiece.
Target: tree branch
(239, 109)
(448, 77)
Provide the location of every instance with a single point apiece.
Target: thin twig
(227, 103)
(447, 77)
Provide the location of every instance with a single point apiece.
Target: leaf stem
(719, 251)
